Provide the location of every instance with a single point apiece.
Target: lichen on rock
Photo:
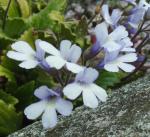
(125, 114)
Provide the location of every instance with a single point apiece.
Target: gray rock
(125, 114)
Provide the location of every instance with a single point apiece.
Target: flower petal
(42, 92)
(111, 67)
(29, 64)
(33, 111)
(101, 32)
(75, 53)
(105, 13)
(23, 47)
(49, 117)
(126, 67)
(64, 107)
(99, 92)
(65, 46)
(128, 50)
(55, 61)
(131, 57)
(89, 98)
(111, 46)
(119, 33)
(40, 53)
(116, 15)
(18, 56)
(72, 91)
(49, 48)
(88, 75)
(75, 68)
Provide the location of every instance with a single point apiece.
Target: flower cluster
(113, 39)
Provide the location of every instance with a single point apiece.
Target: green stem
(6, 13)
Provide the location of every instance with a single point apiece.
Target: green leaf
(41, 20)
(15, 27)
(109, 79)
(25, 94)
(56, 16)
(62, 28)
(28, 36)
(13, 9)
(10, 121)
(4, 40)
(8, 74)
(7, 98)
(24, 8)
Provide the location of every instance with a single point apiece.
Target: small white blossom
(113, 62)
(49, 103)
(84, 84)
(113, 41)
(67, 56)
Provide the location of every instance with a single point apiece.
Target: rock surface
(125, 114)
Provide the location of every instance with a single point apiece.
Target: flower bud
(97, 10)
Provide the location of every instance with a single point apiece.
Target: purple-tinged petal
(110, 56)
(44, 65)
(49, 117)
(64, 107)
(74, 54)
(34, 110)
(40, 54)
(44, 92)
(65, 46)
(136, 17)
(96, 48)
(101, 33)
(88, 75)
(116, 15)
(130, 1)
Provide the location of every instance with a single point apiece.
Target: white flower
(110, 42)
(114, 62)
(47, 107)
(127, 45)
(67, 56)
(30, 58)
(114, 18)
(84, 84)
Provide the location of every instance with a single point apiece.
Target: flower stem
(139, 31)
(59, 79)
(6, 13)
(143, 43)
(97, 11)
